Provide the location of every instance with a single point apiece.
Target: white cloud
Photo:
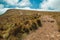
(1, 6)
(51, 3)
(3, 10)
(24, 3)
(23, 8)
(17, 3)
(11, 2)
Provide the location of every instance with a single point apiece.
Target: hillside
(17, 24)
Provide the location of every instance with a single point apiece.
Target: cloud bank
(24, 3)
(11, 2)
(2, 11)
(1, 6)
(30, 4)
(50, 4)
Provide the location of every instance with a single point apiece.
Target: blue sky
(34, 4)
(29, 4)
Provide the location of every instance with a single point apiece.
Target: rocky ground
(49, 30)
(29, 25)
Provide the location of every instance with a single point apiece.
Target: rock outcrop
(49, 30)
(29, 25)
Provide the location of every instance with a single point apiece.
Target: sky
(29, 4)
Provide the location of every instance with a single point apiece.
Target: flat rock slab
(49, 31)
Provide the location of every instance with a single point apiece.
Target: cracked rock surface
(49, 31)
